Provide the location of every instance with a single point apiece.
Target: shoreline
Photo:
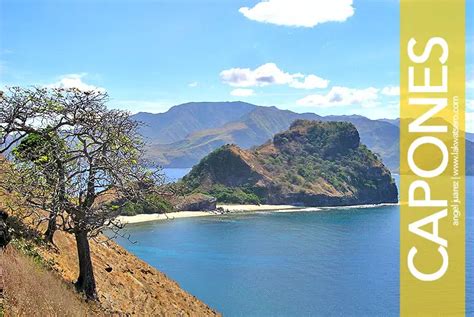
(253, 208)
(235, 209)
(167, 216)
(190, 214)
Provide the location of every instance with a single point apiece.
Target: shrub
(238, 195)
(153, 204)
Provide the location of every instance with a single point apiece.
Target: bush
(153, 204)
(238, 195)
(29, 249)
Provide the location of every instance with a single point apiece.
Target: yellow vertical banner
(432, 157)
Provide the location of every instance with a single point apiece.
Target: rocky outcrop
(196, 202)
(312, 164)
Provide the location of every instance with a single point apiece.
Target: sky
(321, 56)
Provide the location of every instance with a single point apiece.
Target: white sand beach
(189, 214)
(167, 216)
(228, 209)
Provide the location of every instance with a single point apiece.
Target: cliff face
(313, 164)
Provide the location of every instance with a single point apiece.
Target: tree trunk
(52, 226)
(49, 234)
(86, 281)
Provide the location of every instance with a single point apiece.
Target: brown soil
(125, 283)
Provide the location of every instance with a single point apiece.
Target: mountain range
(186, 133)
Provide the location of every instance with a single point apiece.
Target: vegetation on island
(313, 163)
(237, 195)
(151, 204)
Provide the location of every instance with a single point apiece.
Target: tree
(70, 155)
(45, 150)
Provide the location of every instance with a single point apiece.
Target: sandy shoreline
(189, 214)
(231, 209)
(167, 216)
(244, 208)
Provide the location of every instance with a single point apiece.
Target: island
(313, 163)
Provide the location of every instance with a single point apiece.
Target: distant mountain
(253, 128)
(186, 133)
(313, 163)
(175, 124)
(395, 122)
(470, 136)
(259, 125)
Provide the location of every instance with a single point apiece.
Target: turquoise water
(342, 262)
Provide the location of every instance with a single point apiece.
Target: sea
(322, 262)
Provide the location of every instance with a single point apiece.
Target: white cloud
(193, 84)
(342, 96)
(391, 91)
(308, 82)
(74, 81)
(270, 74)
(242, 92)
(470, 83)
(300, 13)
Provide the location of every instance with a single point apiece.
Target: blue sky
(151, 55)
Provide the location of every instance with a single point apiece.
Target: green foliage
(152, 204)
(239, 195)
(327, 152)
(327, 139)
(30, 249)
(310, 156)
(39, 148)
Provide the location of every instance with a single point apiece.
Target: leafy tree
(45, 150)
(70, 156)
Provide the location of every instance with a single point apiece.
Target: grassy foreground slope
(32, 290)
(40, 279)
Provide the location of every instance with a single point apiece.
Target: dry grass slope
(30, 290)
(126, 285)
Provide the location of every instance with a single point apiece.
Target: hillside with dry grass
(32, 290)
(39, 279)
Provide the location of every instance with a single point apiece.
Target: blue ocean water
(338, 262)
